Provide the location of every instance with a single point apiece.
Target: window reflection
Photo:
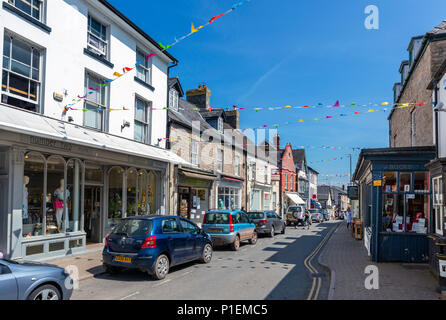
(115, 195)
(32, 207)
(132, 176)
(57, 194)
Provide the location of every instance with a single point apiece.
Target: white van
(293, 213)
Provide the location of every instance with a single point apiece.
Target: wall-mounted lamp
(440, 107)
(70, 119)
(125, 123)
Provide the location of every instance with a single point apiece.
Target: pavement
(280, 268)
(347, 259)
(88, 264)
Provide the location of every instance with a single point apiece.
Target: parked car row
(152, 244)
(294, 212)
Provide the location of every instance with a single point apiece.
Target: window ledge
(148, 86)
(26, 17)
(99, 58)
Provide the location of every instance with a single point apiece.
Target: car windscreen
(256, 215)
(133, 227)
(216, 218)
(294, 209)
(315, 211)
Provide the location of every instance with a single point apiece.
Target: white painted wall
(65, 62)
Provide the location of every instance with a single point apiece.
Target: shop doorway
(93, 211)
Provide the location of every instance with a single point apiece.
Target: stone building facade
(413, 125)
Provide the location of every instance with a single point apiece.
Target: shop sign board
(353, 192)
(377, 183)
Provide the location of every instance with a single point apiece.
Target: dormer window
(173, 99)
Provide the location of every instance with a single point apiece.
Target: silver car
(33, 281)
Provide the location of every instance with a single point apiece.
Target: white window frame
(437, 202)
(194, 152)
(220, 124)
(145, 122)
(41, 9)
(145, 65)
(286, 180)
(266, 174)
(104, 116)
(253, 170)
(173, 99)
(90, 34)
(5, 88)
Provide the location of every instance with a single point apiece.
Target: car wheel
(110, 269)
(236, 244)
(161, 267)
(207, 253)
(272, 233)
(253, 240)
(46, 292)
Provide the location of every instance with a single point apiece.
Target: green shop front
(395, 202)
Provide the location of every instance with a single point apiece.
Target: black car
(267, 222)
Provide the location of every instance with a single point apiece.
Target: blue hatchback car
(154, 244)
(33, 281)
(228, 227)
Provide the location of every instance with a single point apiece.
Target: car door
(247, 226)
(193, 243)
(176, 239)
(8, 283)
(271, 220)
(280, 224)
(238, 225)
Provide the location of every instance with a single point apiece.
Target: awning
(19, 121)
(295, 198)
(231, 179)
(197, 175)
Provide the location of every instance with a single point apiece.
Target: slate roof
(175, 81)
(323, 192)
(186, 115)
(299, 156)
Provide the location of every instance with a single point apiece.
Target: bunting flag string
(164, 48)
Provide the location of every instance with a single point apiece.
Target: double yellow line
(317, 281)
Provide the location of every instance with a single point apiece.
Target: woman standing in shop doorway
(349, 217)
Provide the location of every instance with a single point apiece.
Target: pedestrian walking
(349, 217)
(307, 219)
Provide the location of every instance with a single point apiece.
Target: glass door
(92, 213)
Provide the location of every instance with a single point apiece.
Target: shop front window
(142, 193)
(93, 173)
(116, 178)
(393, 213)
(417, 213)
(58, 196)
(75, 186)
(151, 193)
(421, 181)
(33, 206)
(228, 198)
(405, 181)
(389, 182)
(132, 177)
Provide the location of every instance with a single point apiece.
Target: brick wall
(415, 91)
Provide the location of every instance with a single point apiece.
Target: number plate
(215, 230)
(123, 259)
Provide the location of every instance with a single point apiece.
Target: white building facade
(77, 151)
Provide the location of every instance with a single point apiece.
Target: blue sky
(277, 53)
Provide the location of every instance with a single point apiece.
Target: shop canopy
(295, 198)
(20, 121)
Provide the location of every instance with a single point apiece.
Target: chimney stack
(233, 117)
(276, 141)
(200, 97)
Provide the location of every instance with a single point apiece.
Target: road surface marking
(130, 295)
(161, 283)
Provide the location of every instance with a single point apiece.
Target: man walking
(349, 217)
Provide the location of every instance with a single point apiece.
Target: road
(281, 268)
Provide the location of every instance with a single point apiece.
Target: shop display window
(393, 213)
(58, 196)
(116, 179)
(142, 193)
(33, 193)
(417, 213)
(151, 193)
(390, 182)
(132, 177)
(75, 186)
(405, 181)
(421, 181)
(228, 198)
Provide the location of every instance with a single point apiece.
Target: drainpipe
(169, 169)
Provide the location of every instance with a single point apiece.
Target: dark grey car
(267, 222)
(33, 281)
